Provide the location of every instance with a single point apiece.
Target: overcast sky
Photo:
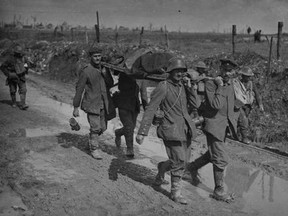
(184, 15)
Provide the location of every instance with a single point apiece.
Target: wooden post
(72, 34)
(97, 28)
(269, 60)
(280, 26)
(116, 36)
(166, 38)
(233, 38)
(141, 35)
(86, 36)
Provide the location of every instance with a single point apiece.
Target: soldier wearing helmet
(15, 70)
(242, 113)
(176, 129)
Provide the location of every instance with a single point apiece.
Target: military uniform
(14, 69)
(129, 107)
(95, 82)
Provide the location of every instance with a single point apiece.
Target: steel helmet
(246, 71)
(18, 50)
(201, 64)
(176, 63)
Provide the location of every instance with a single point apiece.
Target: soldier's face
(96, 58)
(177, 75)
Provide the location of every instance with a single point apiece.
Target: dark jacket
(13, 68)
(176, 118)
(218, 110)
(128, 97)
(95, 84)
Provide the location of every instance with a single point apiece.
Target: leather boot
(219, 191)
(94, 146)
(176, 195)
(194, 166)
(244, 134)
(163, 167)
(129, 137)
(23, 105)
(118, 134)
(13, 99)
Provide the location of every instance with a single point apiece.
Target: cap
(246, 71)
(18, 50)
(94, 50)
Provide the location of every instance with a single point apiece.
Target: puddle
(257, 192)
(35, 132)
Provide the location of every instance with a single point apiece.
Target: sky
(183, 15)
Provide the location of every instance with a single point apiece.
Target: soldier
(176, 129)
(202, 69)
(95, 83)
(242, 113)
(15, 70)
(129, 107)
(218, 113)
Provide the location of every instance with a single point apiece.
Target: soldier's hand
(76, 112)
(218, 81)
(139, 139)
(261, 107)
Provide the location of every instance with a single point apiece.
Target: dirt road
(46, 169)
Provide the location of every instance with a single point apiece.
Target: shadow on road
(119, 165)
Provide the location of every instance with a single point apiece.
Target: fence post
(166, 38)
(269, 60)
(280, 26)
(233, 38)
(97, 28)
(86, 36)
(116, 36)
(72, 34)
(141, 35)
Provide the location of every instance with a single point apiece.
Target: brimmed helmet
(246, 71)
(18, 50)
(176, 63)
(201, 64)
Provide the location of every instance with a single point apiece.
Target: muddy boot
(163, 167)
(23, 105)
(244, 135)
(94, 146)
(219, 191)
(129, 136)
(13, 100)
(194, 166)
(176, 195)
(118, 134)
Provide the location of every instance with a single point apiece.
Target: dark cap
(94, 50)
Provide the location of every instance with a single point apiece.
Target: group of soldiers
(184, 96)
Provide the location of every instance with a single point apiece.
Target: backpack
(240, 93)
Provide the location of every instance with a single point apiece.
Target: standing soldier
(218, 113)
(15, 70)
(176, 129)
(95, 82)
(129, 107)
(242, 113)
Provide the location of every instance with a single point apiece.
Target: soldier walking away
(176, 129)
(15, 70)
(95, 83)
(218, 113)
(128, 107)
(242, 113)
